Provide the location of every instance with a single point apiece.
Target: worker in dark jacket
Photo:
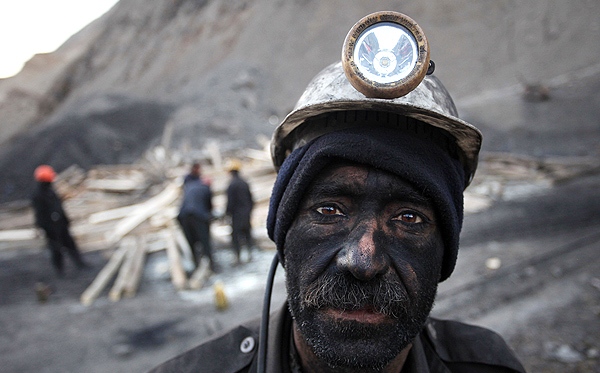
(239, 207)
(366, 214)
(195, 216)
(51, 217)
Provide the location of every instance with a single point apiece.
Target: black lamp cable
(264, 324)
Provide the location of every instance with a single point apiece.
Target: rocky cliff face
(227, 70)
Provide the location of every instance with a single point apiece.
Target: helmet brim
(330, 91)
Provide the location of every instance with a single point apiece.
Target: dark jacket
(197, 200)
(48, 209)
(239, 202)
(442, 347)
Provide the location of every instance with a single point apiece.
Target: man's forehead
(346, 171)
(348, 177)
(350, 172)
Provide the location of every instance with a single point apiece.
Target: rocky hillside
(229, 70)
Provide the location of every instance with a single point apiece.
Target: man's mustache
(343, 291)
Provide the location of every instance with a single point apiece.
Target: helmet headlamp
(385, 55)
(386, 70)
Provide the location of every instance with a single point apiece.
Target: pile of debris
(129, 211)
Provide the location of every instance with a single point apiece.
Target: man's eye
(410, 217)
(329, 210)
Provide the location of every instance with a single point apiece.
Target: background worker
(53, 220)
(195, 216)
(239, 208)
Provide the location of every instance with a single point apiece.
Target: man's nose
(360, 254)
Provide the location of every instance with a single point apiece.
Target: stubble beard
(352, 344)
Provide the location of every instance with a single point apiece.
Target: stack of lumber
(129, 212)
(149, 226)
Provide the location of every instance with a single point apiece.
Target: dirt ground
(132, 335)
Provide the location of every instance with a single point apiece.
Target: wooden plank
(115, 185)
(155, 242)
(259, 155)
(118, 287)
(104, 276)
(182, 242)
(68, 182)
(156, 246)
(178, 275)
(142, 212)
(200, 275)
(164, 217)
(214, 152)
(137, 268)
(112, 214)
(18, 234)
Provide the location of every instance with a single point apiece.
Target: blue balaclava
(413, 156)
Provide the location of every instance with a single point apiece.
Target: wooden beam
(107, 215)
(178, 275)
(142, 212)
(137, 268)
(18, 234)
(182, 242)
(118, 287)
(200, 275)
(104, 276)
(115, 185)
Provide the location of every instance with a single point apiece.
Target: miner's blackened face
(363, 259)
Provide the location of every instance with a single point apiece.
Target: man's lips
(364, 315)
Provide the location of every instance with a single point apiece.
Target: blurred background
(142, 89)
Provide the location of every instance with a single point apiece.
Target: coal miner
(366, 214)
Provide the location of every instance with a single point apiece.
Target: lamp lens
(386, 52)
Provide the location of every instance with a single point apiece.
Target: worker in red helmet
(52, 219)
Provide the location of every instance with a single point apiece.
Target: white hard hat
(330, 92)
(324, 105)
